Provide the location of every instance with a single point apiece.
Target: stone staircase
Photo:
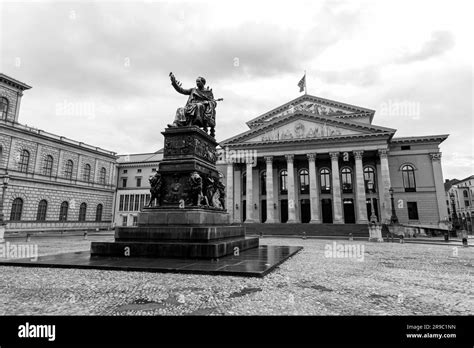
(310, 230)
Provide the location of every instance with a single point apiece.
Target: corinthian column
(313, 189)
(249, 195)
(336, 189)
(385, 194)
(291, 189)
(229, 202)
(269, 188)
(360, 189)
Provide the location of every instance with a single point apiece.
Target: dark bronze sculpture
(200, 109)
(156, 185)
(195, 189)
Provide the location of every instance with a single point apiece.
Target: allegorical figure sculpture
(195, 192)
(200, 109)
(156, 184)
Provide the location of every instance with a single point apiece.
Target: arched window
(3, 108)
(82, 212)
(68, 170)
(465, 194)
(244, 184)
(325, 176)
(24, 161)
(346, 174)
(63, 211)
(48, 166)
(98, 212)
(283, 182)
(102, 175)
(369, 176)
(87, 172)
(42, 209)
(304, 181)
(263, 183)
(408, 174)
(17, 209)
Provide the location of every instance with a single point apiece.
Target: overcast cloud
(111, 60)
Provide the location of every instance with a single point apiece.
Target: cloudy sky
(99, 70)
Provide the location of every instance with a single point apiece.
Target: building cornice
(420, 139)
(10, 81)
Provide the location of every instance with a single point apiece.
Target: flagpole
(305, 86)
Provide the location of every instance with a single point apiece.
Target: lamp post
(373, 217)
(454, 215)
(6, 179)
(393, 218)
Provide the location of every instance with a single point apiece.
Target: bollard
(402, 239)
(350, 236)
(28, 237)
(304, 235)
(261, 234)
(85, 235)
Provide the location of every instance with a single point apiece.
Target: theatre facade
(319, 161)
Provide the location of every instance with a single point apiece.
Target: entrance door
(349, 215)
(284, 210)
(263, 213)
(326, 206)
(244, 210)
(305, 211)
(369, 208)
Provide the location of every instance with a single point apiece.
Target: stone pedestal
(375, 232)
(188, 219)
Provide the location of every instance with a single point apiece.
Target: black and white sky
(99, 69)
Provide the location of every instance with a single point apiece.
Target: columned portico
(249, 195)
(291, 189)
(313, 190)
(269, 189)
(336, 188)
(360, 188)
(385, 194)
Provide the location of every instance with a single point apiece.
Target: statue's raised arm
(177, 85)
(200, 109)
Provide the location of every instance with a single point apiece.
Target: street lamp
(393, 218)
(373, 217)
(6, 178)
(455, 216)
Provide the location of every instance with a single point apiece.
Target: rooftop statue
(200, 109)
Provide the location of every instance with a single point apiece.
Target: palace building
(50, 183)
(319, 161)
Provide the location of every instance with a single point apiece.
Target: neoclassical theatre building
(314, 160)
(50, 183)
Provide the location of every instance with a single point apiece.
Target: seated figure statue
(200, 109)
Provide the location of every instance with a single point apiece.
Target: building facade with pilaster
(54, 183)
(319, 161)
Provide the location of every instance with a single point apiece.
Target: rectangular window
(412, 210)
(139, 182)
(135, 221)
(121, 203)
(137, 202)
(124, 220)
(406, 147)
(125, 203)
(153, 170)
(147, 198)
(132, 200)
(466, 203)
(139, 170)
(124, 182)
(125, 171)
(142, 201)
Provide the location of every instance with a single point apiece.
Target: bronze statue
(200, 109)
(156, 184)
(195, 192)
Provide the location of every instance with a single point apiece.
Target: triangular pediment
(313, 105)
(305, 126)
